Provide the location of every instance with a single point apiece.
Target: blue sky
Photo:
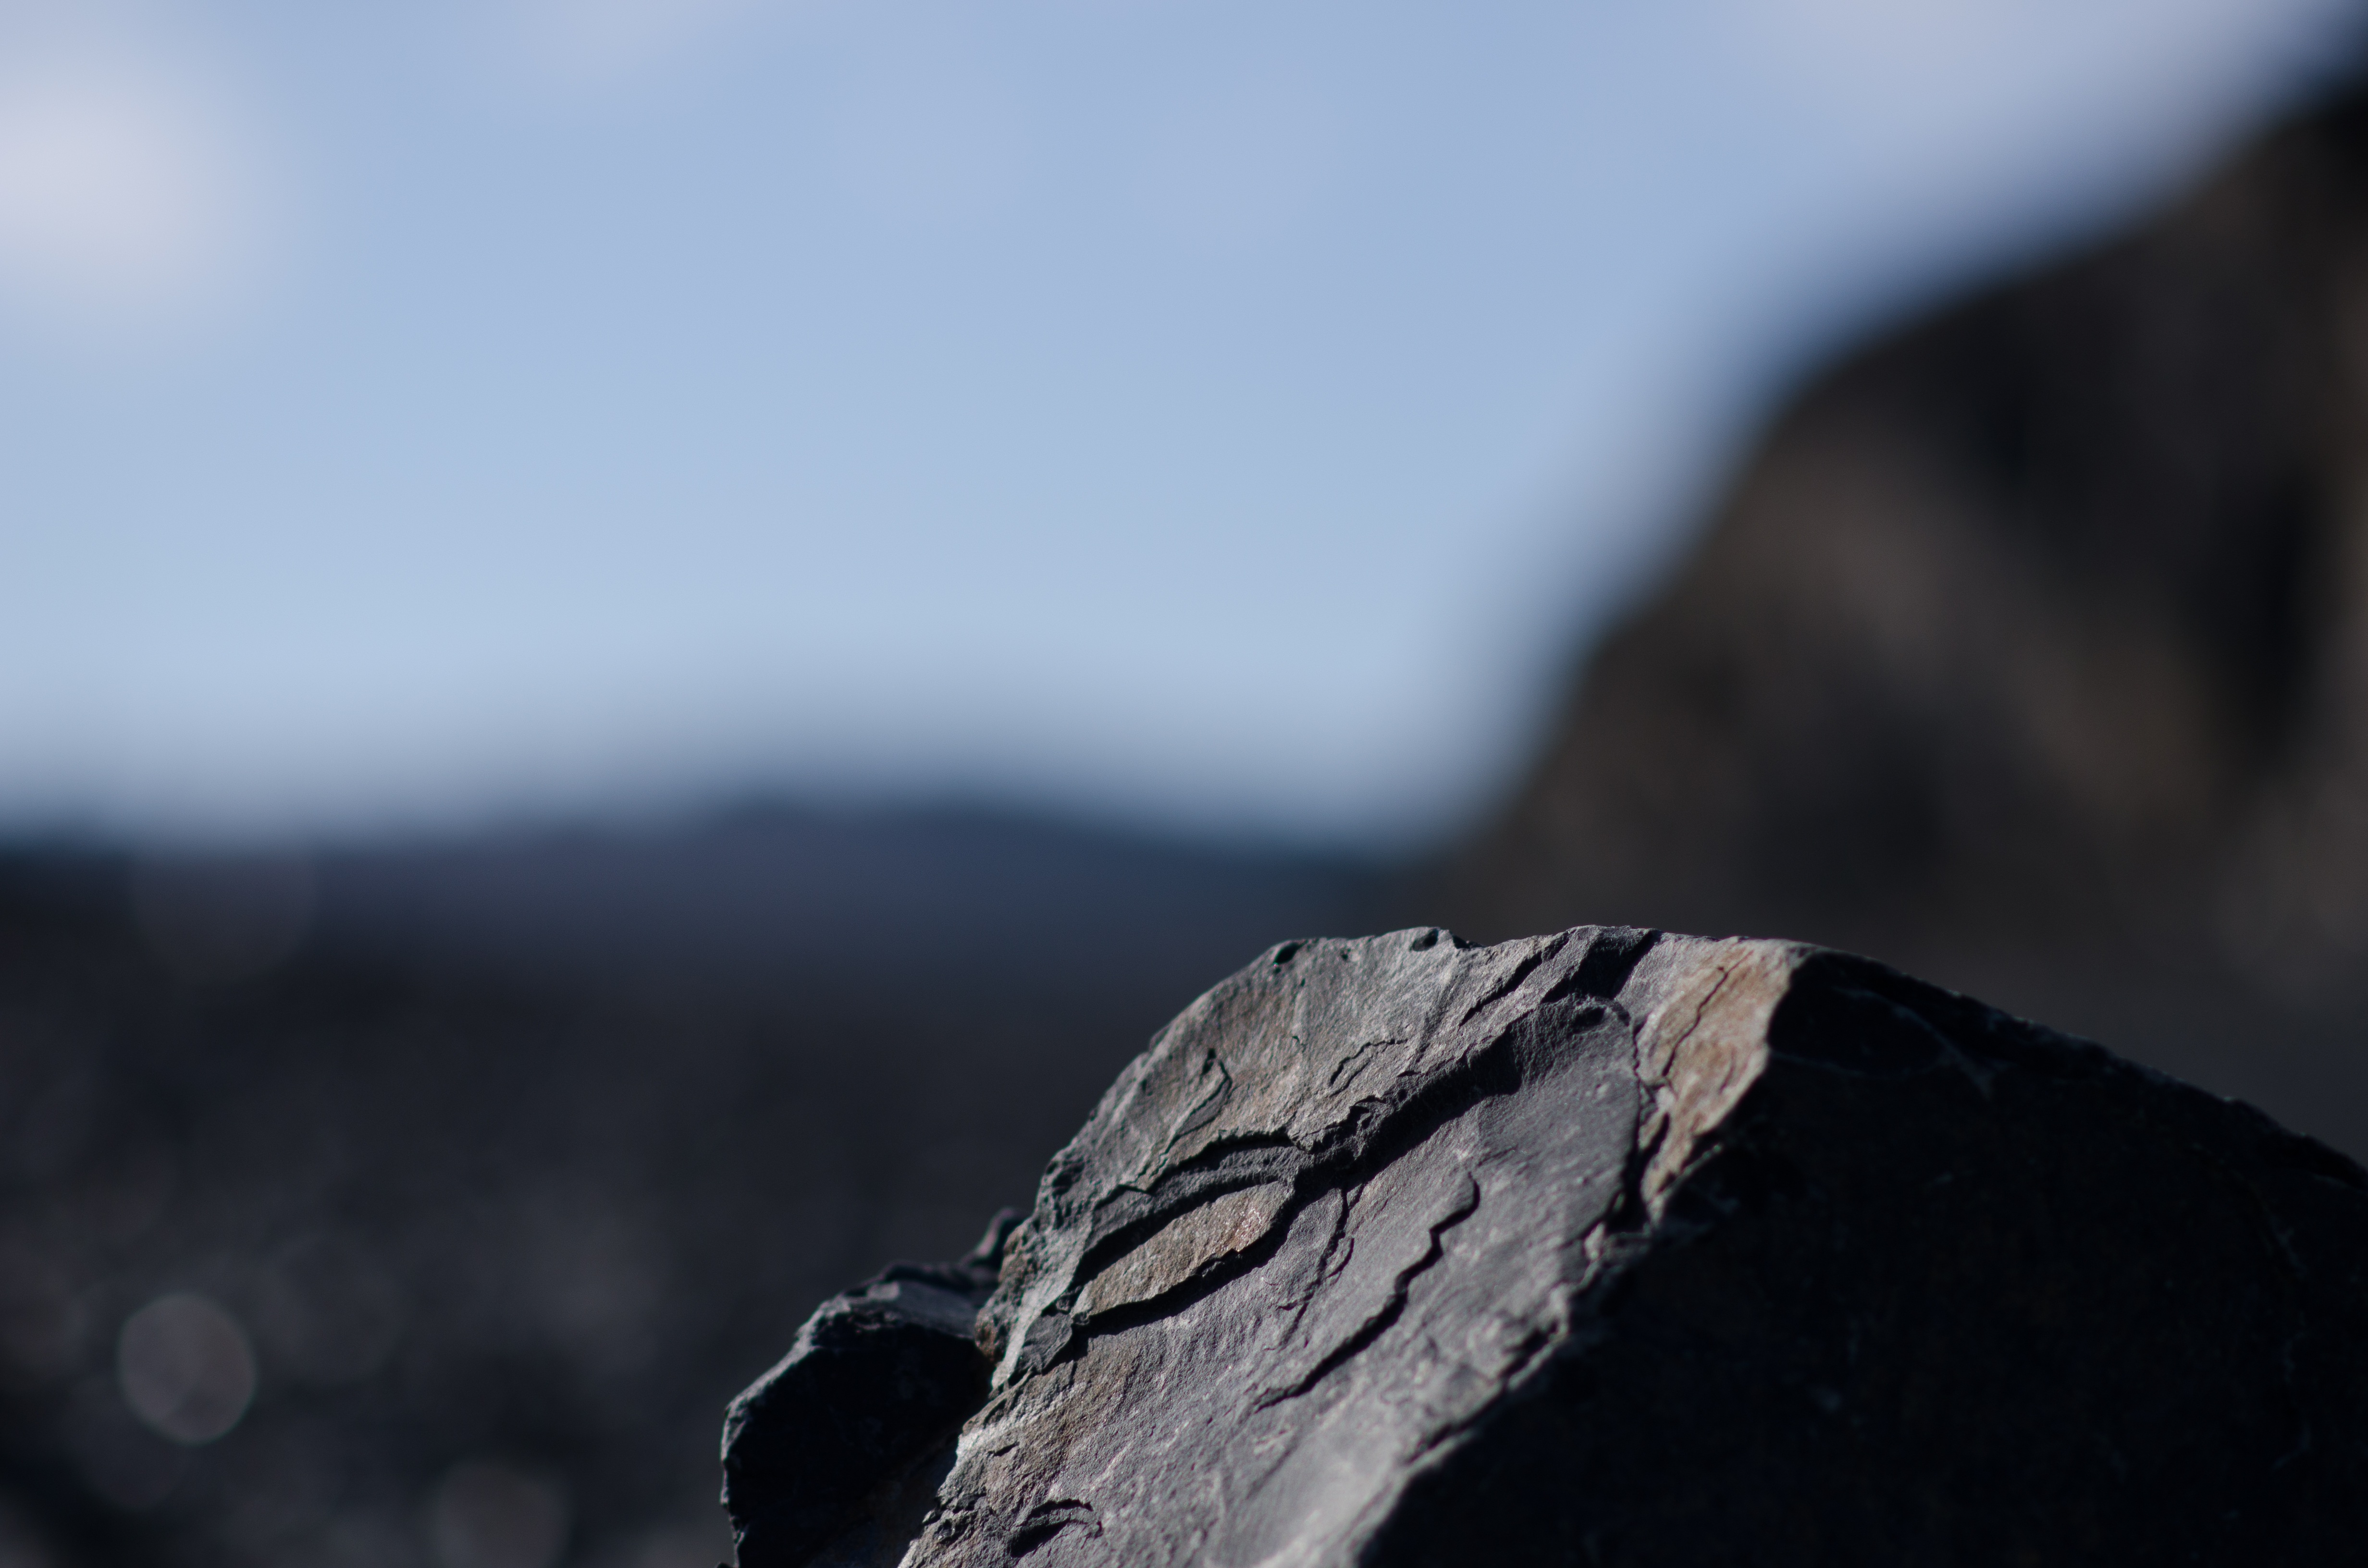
(1222, 414)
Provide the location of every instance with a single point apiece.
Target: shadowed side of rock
(1616, 1247)
(1955, 1290)
(830, 1453)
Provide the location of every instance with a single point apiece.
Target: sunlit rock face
(1616, 1247)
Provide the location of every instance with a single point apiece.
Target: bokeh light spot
(186, 1367)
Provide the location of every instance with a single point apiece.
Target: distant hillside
(2031, 651)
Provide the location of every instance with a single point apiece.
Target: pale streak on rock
(1185, 1245)
(1703, 1050)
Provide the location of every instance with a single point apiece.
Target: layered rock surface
(1617, 1247)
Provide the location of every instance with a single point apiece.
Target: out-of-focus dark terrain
(423, 1204)
(512, 1161)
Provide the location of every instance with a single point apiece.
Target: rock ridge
(1611, 1246)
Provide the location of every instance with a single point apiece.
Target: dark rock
(823, 1451)
(1611, 1247)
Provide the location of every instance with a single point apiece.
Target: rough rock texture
(2040, 620)
(1612, 1248)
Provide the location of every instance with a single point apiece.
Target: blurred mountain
(507, 1163)
(2030, 650)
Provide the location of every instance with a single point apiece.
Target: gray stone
(1617, 1247)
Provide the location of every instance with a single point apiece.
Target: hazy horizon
(1207, 419)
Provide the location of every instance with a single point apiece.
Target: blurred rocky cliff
(2030, 650)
